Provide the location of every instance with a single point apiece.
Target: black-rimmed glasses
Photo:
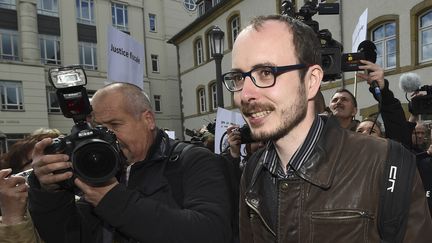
(262, 77)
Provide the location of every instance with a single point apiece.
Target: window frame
(420, 31)
(124, 9)
(14, 40)
(198, 51)
(56, 40)
(232, 35)
(51, 92)
(213, 95)
(385, 42)
(157, 100)
(9, 84)
(80, 18)
(189, 5)
(155, 60)
(202, 100)
(8, 4)
(82, 47)
(152, 27)
(43, 10)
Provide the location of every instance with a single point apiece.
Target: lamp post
(217, 48)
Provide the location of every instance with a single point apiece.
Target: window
(11, 95)
(215, 2)
(49, 49)
(155, 63)
(152, 22)
(234, 26)
(119, 16)
(189, 5)
(9, 45)
(213, 92)
(210, 54)
(88, 55)
(199, 54)
(53, 104)
(202, 100)
(425, 36)
(85, 11)
(9, 4)
(384, 37)
(47, 7)
(201, 9)
(157, 103)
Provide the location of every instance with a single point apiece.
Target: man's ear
(149, 119)
(313, 78)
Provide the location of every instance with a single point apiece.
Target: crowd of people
(313, 173)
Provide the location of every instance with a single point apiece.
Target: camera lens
(95, 161)
(326, 62)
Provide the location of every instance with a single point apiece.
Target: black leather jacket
(144, 210)
(333, 197)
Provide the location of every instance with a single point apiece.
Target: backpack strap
(395, 195)
(174, 169)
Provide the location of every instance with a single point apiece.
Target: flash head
(67, 77)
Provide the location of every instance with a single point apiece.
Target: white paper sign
(125, 60)
(360, 31)
(224, 119)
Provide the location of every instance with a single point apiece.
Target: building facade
(36, 35)
(400, 29)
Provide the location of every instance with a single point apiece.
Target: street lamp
(217, 48)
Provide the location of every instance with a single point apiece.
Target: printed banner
(360, 31)
(125, 58)
(224, 119)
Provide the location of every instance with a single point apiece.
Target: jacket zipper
(353, 214)
(259, 214)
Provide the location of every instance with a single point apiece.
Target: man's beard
(290, 118)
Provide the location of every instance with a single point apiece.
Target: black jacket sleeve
(395, 123)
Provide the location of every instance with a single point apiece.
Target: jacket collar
(319, 169)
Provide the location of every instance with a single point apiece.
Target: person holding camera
(314, 181)
(144, 202)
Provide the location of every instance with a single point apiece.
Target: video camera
(422, 104)
(94, 151)
(333, 61)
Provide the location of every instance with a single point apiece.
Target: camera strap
(174, 170)
(395, 193)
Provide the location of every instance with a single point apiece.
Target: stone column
(27, 25)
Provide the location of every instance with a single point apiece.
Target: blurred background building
(38, 34)
(180, 74)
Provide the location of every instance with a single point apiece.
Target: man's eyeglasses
(262, 77)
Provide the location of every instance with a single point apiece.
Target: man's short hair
(306, 43)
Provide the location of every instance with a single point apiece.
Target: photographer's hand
(234, 140)
(13, 197)
(45, 165)
(94, 195)
(375, 73)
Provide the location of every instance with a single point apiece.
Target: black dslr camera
(94, 151)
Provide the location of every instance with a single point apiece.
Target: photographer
(140, 204)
